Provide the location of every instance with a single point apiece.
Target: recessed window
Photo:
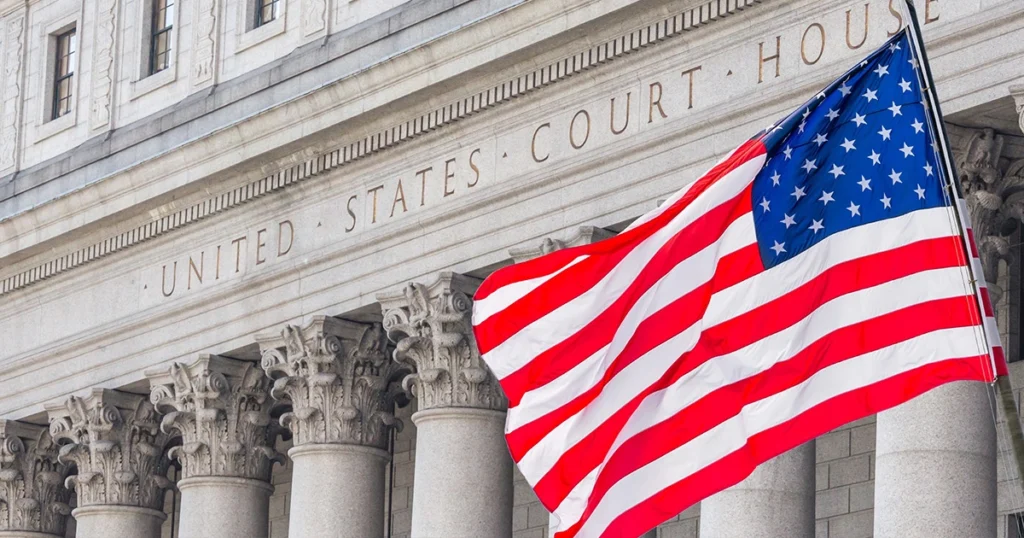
(64, 74)
(266, 11)
(160, 38)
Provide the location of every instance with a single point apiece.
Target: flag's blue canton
(859, 152)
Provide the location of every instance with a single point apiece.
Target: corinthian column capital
(433, 333)
(584, 235)
(337, 378)
(1017, 92)
(114, 439)
(993, 187)
(32, 493)
(220, 407)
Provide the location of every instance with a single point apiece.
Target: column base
(27, 534)
(116, 521)
(463, 482)
(224, 507)
(337, 490)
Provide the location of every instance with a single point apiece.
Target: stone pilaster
(115, 441)
(33, 498)
(337, 386)
(463, 485)
(220, 408)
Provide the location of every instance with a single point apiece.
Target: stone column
(33, 499)
(935, 471)
(463, 473)
(336, 385)
(775, 501)
(115, 440)
(220, 408)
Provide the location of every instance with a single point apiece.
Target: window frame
(156, 31)
(57, 101)
(261, 7)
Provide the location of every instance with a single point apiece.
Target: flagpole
(945, 152)
(1005, 389)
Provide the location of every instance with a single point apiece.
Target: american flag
(817, 275)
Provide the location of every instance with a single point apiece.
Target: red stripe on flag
(652, 332)
(583, 276)
(986, 302)
(739, 332)
(821, 419)
(970, 241)
(561, 357)
(545, 265)
(726, 402)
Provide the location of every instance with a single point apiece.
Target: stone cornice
(385, 139)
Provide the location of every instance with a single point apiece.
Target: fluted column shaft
(334, 380)
(463, 474)
(220, 407)
(115, 441)
(775, 501)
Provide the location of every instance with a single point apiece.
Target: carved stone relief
(314, 16)
(205, 45)
(103, 63)
(14, 43)
(114, 439)
(993, 188)
(220, 408)
(335, 381)
(433, 334)
(32, 493)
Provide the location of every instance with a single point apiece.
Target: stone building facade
(239, 241)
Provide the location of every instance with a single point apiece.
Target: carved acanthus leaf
(115, 440)
(335, 381)
(221, 410)
(32, 493)
(431, 328)
(993, 188)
